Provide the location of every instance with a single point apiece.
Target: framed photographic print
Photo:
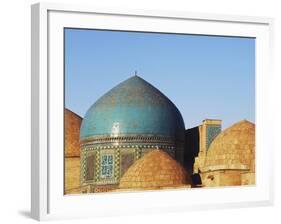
(147, 111)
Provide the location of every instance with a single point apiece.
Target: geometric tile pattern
(117, 164)
(137, 151)
(212, 132)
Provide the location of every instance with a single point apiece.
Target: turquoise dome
(133, 108)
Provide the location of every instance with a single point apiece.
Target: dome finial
(136, 73)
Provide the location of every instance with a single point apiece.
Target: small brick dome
(234, 148)
(72, 123)
(155, 170)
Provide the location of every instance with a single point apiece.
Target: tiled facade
(122, 159)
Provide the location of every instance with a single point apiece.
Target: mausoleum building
(134, 138)
(130, 120)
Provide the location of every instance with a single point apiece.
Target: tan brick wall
(248, 178)
(72, 174)
(72, 123)
(221, 178)
(230, 178)
(200, 159)
(210, 179)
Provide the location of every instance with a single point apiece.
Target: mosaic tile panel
(212, 132)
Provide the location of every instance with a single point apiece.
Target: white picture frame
(48, 200)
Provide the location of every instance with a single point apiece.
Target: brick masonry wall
(72, 174)
(72, 123)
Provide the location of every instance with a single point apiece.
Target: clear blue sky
(205, 76)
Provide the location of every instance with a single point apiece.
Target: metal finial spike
(135, 72)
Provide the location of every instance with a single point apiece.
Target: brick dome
(155, 170)
(72, 123)
(234, 148)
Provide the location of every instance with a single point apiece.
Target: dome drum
(122, 158)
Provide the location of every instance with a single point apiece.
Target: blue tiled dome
(134, 107)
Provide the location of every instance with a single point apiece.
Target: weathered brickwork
(248, 178)
(208, 131)
(221, 178)
(233, 148)
(230, 159)
(72, 175)
(155, 170)
(72, 124)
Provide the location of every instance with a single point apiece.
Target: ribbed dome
(153, 171)
(233, 148)
(134, 107)
(72, 124)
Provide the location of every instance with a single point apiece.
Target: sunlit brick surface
(230, 159)
(233, 148)
(153, 171)
(72, 175)
(72, 124)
